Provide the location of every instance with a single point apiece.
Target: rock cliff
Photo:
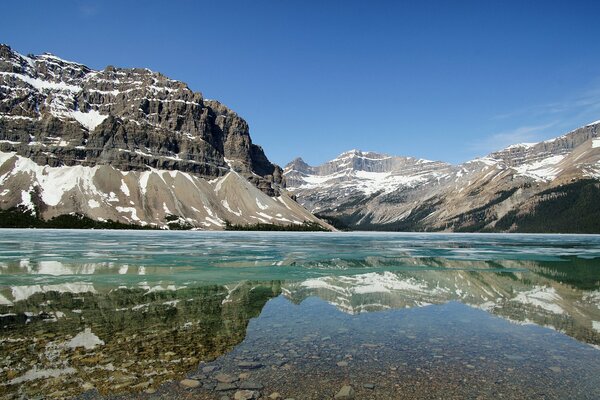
(129, 145)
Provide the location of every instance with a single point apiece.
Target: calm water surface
(109, 313)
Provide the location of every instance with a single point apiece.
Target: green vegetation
(337, 223)
(578, 272)
(177, 223)
(307, 226)
(19, 217)
(571, 208)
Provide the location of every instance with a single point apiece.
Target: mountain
(129, 145)
(551, 186)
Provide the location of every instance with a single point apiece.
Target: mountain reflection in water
(120, 340)
(396, 310)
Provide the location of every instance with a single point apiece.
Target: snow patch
(544, 170)
(90, 119)
(543, 297)
(34, 374)
(131, 210)
(124, 188)
(226, 205)
(24, 292)
(261, 205)
(40, 84)
(85, 339)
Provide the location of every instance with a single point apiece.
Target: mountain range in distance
(550, 186)
(129, 147)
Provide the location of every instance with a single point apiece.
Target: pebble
(246, 395)
(210, 368)
(244, 375)
(226, 378)
(346, 392)
(222, 387)
(369, 386)
(189, 383)
(342, 364)
(249, 365)
(250, 385)
(274, 396)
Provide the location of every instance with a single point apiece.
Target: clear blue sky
(444, 80)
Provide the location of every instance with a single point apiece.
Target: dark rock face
(58, 113)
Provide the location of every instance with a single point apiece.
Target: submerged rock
(189, 383)
(226, 378)
(249, 365)
(346, 392)
(246, 395)
(222, 387)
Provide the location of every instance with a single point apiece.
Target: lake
(99, 314)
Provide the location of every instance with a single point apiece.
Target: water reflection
(523, 298)
(450, 351)
(119, 313)
(64, 339)
(60, 343)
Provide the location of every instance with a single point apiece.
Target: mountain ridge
(383, 192)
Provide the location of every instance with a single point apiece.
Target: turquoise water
(126, 312)
(221, 257)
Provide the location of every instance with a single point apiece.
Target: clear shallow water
(151, 306)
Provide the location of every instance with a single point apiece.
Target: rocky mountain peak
(59, 112)
(129, 146)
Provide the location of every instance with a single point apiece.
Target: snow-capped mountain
(513, 189)
(129, 145)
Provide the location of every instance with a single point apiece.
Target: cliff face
(130, 145)
(61, 113)
(551, 186)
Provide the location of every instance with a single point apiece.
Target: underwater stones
(345, 393)
(189, 383)
(223, 387)
(246, 395)
(369, 386)
(226, 378)
(249, 365)
(250, 385)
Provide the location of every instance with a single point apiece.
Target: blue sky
(443, 80)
